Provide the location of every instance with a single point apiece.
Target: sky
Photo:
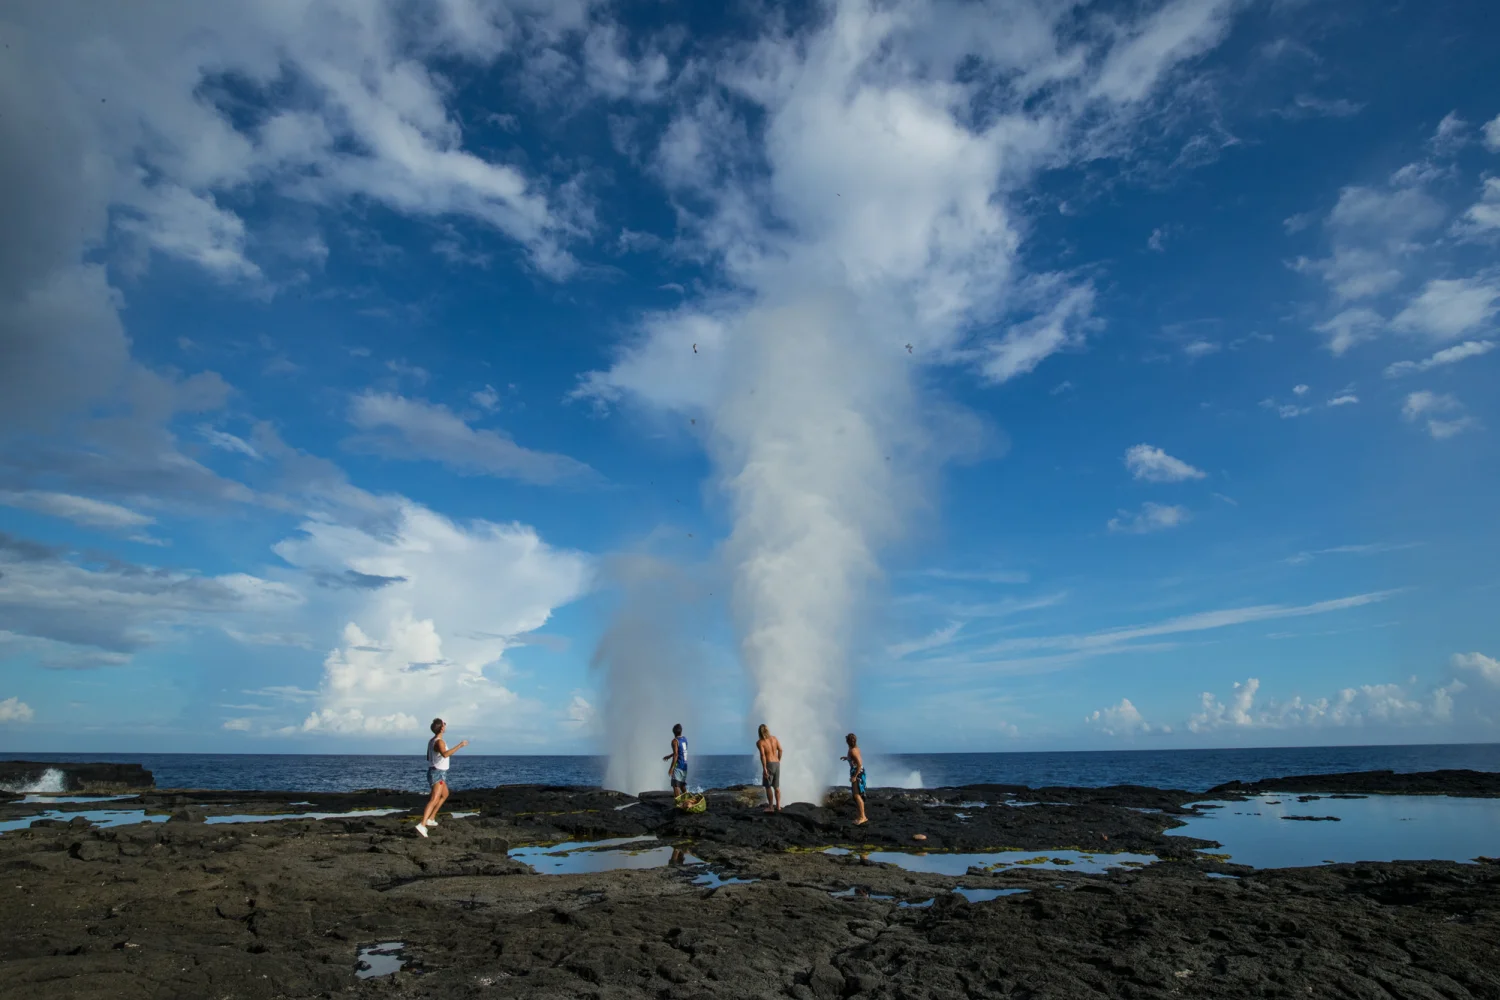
(985, 375)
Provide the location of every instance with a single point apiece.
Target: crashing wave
(52, 780)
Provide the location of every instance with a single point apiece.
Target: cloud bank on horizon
(995, 374)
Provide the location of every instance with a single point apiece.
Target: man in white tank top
(438, 753)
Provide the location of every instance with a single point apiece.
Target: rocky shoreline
(753, 906)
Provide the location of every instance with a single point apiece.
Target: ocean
(1192, 770)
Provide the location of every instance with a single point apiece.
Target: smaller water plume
(648, 668)
(51, 781)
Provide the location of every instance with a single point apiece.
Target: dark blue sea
(1193, 770)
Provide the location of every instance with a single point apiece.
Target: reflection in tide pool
(273, 817)
(959, 864)
(382, 959)
(985, 895)
(98, 817)
(602, 856)
(1258, 832)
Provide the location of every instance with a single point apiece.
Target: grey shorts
(772, 777)
(434, 776)
(679, 776)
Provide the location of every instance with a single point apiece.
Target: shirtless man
(856, 777)
(769, 748)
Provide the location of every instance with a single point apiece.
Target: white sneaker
(422, 829)
(432, 822)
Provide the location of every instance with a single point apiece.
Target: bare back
(770, 750)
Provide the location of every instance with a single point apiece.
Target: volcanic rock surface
(196, 909)
(103, 778)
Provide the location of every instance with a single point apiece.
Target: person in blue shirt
(677, 770)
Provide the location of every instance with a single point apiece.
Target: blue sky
(983, 376)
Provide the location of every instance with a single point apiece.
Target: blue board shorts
(679, 775)
(857, 783)
(434, 776)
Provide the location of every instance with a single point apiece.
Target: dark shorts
(434, 776)
(772, 777)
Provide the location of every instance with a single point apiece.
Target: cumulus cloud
(1151, 517)
(1123, 719)
(1365, 705)
(1447, 356)
(15, 710)
(416, 430)
(432, 642)
(1486, 667)
(1151, 464)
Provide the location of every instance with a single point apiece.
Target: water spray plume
(648, 668)
(802, 440)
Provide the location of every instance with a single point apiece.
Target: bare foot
(860, 822)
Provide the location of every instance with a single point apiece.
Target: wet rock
(103, 778)
(188, 815)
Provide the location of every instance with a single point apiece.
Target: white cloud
(1200, 348)
(433, 643)
(1153, 465)
(1366, 705)
(1157, 240)
(1486, 667)
(1426, 405)
(1299, 390)
(1491, 132)
(1123, 719)
(240, 725)
(416, 430)
(932, 640)
(1372, 232)
(1447, 356)
(1151, 517)
(297, 640)
(1349, 327)
(486, 398)
(15, 710)
(1367, 548)
(1448, 308)
(1483, 217)
(1346, 399)
(1452, 134)
(224, 441)
(79, 510)
(47, 593)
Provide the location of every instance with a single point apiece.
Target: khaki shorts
(772, 776)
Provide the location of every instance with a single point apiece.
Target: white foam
(51, 781)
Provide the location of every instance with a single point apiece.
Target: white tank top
(435, 759)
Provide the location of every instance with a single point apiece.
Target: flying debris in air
(908, 348)
(695, 348)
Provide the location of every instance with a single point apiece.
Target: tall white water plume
(648, 670)
(808, 439)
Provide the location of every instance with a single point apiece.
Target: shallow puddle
(1378, 828)
(32, 800)
(381, 959)
(959, 864)
(576, 858)
(98, 817)
(713, 880)
(972, 895)
(985, 895)
(273, 817)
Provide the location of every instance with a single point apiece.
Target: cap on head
(437, 725)
(677, 729)
(852, 740)
(764, 732)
